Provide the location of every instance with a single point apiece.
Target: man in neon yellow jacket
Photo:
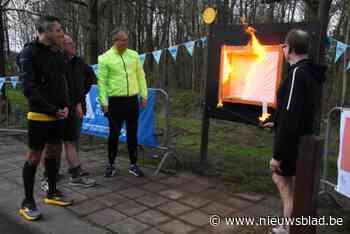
(120, 80)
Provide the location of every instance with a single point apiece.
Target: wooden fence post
(307, 182)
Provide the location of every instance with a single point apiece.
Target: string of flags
(13, 80)
(173, 50)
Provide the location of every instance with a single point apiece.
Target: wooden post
(204, 136)
(307, 182)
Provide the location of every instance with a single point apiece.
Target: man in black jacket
(298, 103)
(80, 78)
(45, 87)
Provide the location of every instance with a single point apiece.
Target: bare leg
(71, 154)
(285, 187)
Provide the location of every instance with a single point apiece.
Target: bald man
(121, 79)
(298, 103)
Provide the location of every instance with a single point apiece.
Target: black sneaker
(83, 172)
(135, 170)
(29, 211)
(57, 198)
(110, 171)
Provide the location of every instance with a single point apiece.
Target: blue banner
(156, 55)
(340, 49)
(2, 81)
(14, 80)
(95, 68)
(96, 124)
(173, 51)
(204, 40)
(189, 46)
(142, 58)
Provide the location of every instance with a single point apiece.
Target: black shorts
(42, 132)
(71, 128)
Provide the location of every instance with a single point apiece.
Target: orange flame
(264, 117)
(256, 47)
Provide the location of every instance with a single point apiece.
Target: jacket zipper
(126, 76)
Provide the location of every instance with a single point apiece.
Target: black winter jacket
(298, 104)
(43, 73)
(80, 78)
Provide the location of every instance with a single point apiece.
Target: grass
(16, 98)
(238, 153)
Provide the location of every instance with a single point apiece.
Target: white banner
(343, 186)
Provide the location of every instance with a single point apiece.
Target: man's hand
(105, 109)
(79, 111)
(267, 125)
(275, 165)
(62, 113)
(144, 102)
(65, 112)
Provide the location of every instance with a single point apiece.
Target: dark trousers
(120, 110)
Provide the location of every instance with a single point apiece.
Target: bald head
(68, 46)
(298, 41)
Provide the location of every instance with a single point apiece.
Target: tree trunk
(293, 11)
(93, 32)
(2, 43)
(323, 18)
(345, 64)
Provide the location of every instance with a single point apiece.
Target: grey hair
(116, 31)
(44, 24)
